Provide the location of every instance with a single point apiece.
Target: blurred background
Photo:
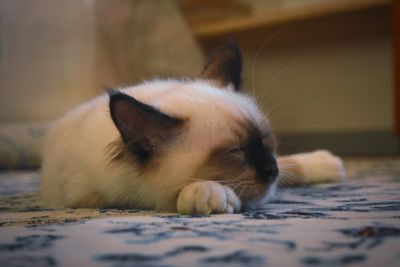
(324, 70)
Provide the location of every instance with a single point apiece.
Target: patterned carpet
(353, 223)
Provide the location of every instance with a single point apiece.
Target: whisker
(227, 182)
(276, 76)
(292, 180)
(239, 184)
(325, 107)
(240, 193)
(271, 37)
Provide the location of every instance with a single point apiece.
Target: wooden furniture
(282, 14)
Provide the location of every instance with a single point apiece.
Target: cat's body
(195, 146)
(78, 151)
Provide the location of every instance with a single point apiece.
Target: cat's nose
(270, 171)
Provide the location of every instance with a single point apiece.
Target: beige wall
(325, 74)
(47, 57)
(55, 54)
(340, 85)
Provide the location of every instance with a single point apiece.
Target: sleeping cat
(195, 146)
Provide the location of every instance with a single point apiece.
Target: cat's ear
(225, 67)
(143, 128)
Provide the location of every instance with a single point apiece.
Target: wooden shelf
(282, 15)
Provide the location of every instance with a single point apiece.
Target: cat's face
(204, 129)
(244, 161)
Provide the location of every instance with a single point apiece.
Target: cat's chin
(259, 202)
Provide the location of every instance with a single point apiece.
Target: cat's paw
(207, 197)
(320, 166)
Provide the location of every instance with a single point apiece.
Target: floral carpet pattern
(352, 223)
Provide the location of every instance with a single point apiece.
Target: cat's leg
(207, 197)
(313, 167)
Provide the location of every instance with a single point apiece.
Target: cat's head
(176, 132)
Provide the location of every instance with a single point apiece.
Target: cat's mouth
(252, 191)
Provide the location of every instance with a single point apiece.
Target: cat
(192, 146)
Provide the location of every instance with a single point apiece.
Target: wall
(333, 73)
(47, 57)
(340, 85)
(325, 82)
(55, 54)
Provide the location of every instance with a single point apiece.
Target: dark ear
(143, 128)
(225, 66)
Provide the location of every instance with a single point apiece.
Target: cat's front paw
(207, 197)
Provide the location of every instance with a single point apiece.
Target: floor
(352, 223)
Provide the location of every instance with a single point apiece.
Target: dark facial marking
(260, 157)
(254, 157)
(229, 158)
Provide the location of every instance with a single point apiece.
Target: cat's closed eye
(235, 150)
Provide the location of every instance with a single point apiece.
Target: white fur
(207, 197)
(319, 166)
(76, 165)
